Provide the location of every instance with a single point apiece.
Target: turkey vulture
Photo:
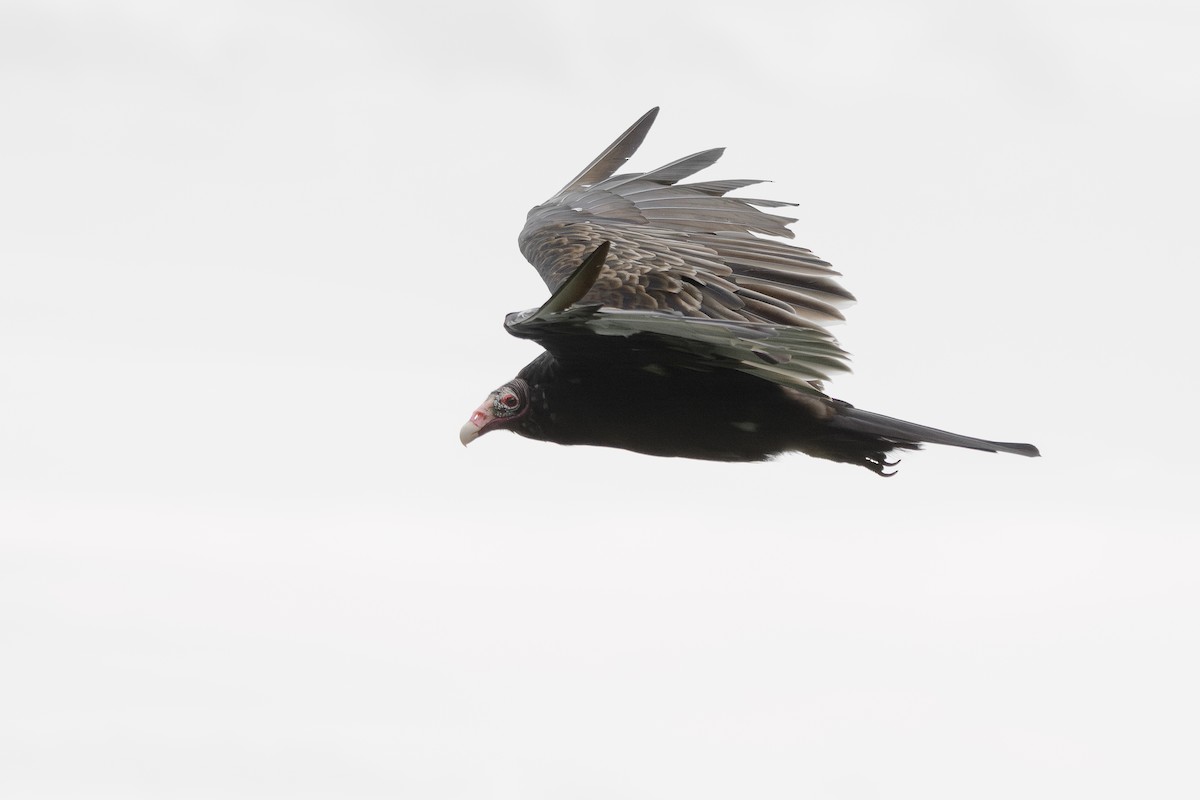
(674, 328)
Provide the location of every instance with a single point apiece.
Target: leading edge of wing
(569, 293)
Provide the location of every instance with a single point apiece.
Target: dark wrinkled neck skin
(664, 411)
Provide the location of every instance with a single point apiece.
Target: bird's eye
(508, 400)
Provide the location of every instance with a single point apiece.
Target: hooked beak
(474, 426)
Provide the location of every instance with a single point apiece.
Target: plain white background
(255, 259)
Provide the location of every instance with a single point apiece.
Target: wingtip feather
(616, 154)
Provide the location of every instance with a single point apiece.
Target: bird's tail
(910, 433)
(867, 438)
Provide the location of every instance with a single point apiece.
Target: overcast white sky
(254, 260)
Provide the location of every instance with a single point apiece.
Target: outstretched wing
(686, 248)
(798, 356)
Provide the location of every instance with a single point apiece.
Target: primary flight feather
(674, 328)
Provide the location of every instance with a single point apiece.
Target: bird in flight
(680, 325)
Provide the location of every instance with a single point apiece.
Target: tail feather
(908, 435)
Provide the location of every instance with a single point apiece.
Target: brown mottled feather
(686, 248)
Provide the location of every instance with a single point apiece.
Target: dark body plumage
(643, 405)
(668, 411)
(675, 330)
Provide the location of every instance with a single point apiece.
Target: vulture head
(503, 408)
